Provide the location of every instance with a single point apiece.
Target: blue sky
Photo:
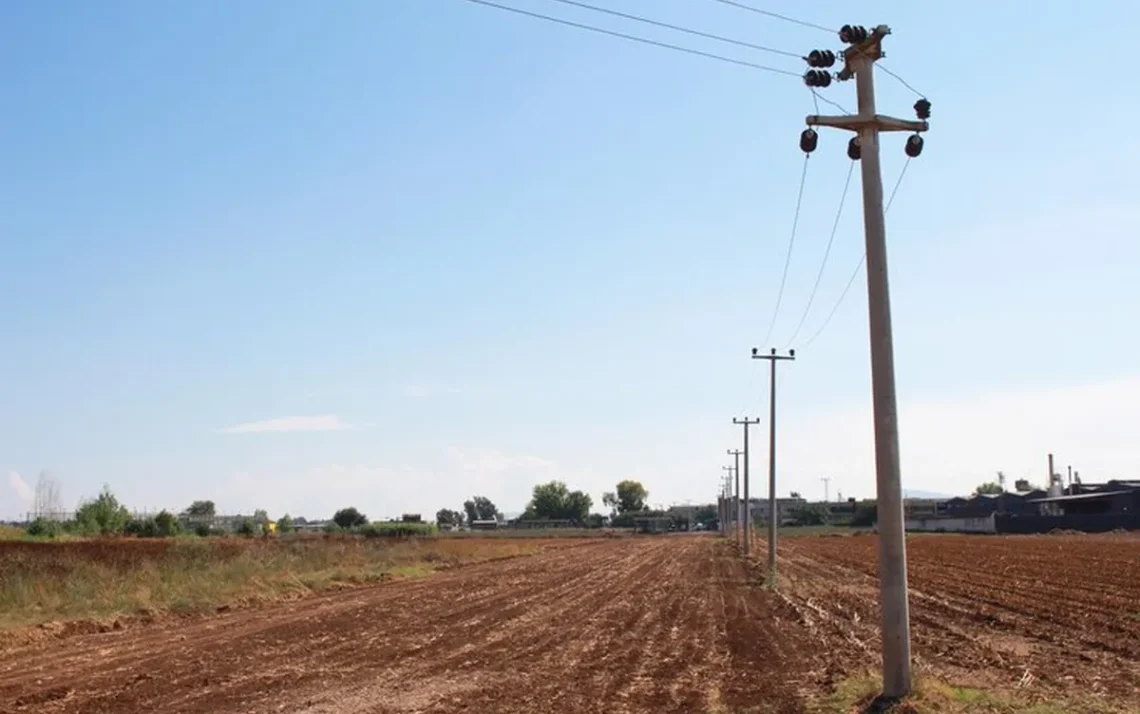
(296, 255)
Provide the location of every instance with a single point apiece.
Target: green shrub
(44, 528)
(103, 515)
(167, 524)
(141, 528)
(395, 530)
(810, 514)
(350, 518)
(247, 528)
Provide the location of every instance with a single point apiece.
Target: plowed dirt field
(666, 624)
(1053, 613)
(621, 625)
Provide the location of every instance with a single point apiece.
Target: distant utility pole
(720, 525)
(735, 453)
(726, 514)
(773, 511)
(826, 493)
(746, 509)
(859, 62)
(728, 486)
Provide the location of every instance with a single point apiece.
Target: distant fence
(1089, 523)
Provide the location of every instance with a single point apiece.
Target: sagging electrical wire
(788, 255)
(858, 267)
(635, 38)
(826, 254)
(678, 28)
(776, 15)
(900, 79)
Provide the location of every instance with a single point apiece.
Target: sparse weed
(75, 579)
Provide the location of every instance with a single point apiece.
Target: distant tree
(480, 508)
(610, 501)
(631, 496)
(1022, 485)
(166, 524)
(103, 515)
(349, 518)
(548, 500)
(577, 506)
(989, 488)
(796, 494)
(448, 517)
(810, 514)
(201, 508)
(260, 516)
(285, 524)
(247, 527)
(554, 501)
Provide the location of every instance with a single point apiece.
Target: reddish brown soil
(1050, 614)
(668, 624)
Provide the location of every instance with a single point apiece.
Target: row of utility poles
(864, 49)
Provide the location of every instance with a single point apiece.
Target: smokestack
(1054, 480)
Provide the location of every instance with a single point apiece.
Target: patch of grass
(11, 533)
(105, 578)
(859, 695)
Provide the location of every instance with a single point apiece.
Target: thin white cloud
(321, 422)
(21, 487)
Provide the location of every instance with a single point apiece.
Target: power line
(826, 253)
(788, 256)
(678, 28)
(901, 80)
(778, 16)
(897, 77)
(634, 38)
(833, 103)
(858, 267)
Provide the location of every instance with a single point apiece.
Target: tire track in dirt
(668, 624)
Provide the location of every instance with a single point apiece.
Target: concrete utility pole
(720, 508)
(773, 510)
(859, 60)
(735, 453)
(826, 485)
(728, 508)
(727, 490)
(746, 507)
